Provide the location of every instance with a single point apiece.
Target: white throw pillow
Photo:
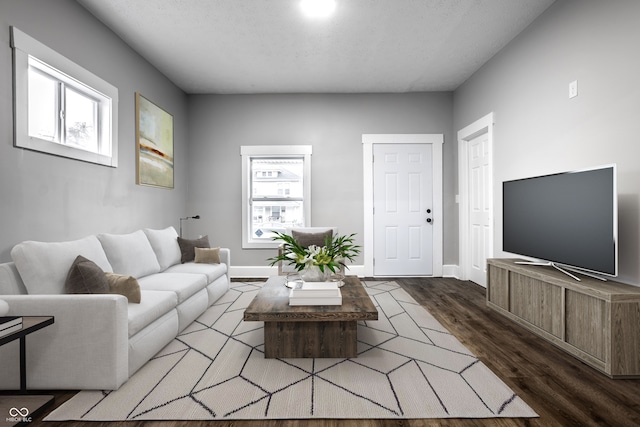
(130, 254)
(44, 266)
(165, 245)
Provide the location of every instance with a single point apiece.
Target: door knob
(429, 220)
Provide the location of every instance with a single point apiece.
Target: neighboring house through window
(61, 108)
(276, 192)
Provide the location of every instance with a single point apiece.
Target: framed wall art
(154, 144)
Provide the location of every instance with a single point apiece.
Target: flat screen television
(568, 219)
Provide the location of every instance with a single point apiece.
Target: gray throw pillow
(124, 285)
(307, 239)
(85, 277)
(187, 247)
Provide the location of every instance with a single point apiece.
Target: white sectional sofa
(99, 340)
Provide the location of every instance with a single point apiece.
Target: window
(60, 107)
(276, 189)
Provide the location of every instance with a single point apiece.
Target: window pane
(43, 106)
(277, 195)
(81, 121)
(275, 216)
(277, 177)
(40, 103)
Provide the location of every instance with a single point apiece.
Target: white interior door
(403, 209)
(480, 230)
(475, 178)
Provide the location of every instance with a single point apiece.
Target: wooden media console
(598, 322)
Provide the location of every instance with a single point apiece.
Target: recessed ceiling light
(318, 8)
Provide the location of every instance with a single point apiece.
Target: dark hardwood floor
(562, 390)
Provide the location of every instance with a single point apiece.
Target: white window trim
(252, 151)
(24, 46)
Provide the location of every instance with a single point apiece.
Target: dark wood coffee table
(310, 331)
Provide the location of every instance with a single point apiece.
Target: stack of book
(10, 324)
(315, 293)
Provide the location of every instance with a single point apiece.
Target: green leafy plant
(331, 256)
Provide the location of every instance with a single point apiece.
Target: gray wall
(539, 130)
(43, 197)
(333, 125)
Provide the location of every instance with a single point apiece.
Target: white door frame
(436, 140)
(475, 129)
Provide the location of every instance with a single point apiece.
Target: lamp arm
(186, 218)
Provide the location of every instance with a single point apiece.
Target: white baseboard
(248, 271)
(451, 270)
(355, 270)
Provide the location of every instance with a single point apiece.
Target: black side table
(22, 408)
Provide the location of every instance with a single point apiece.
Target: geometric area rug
(408, 366)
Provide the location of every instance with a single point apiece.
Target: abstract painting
(154, 144)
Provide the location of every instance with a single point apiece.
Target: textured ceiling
(269, 46)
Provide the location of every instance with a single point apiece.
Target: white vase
(312, 273)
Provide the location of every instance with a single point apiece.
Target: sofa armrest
(225, 258)
(85, 348)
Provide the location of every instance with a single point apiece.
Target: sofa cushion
(212, 271)
(130, 254)
(184, 285)
(207, 255)
(85, 277)
(165, 245)
(187, 247)
(124, 285)
(44, 266)
(10, 281)
(153, 305)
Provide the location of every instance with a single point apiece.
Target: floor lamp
(186, 218)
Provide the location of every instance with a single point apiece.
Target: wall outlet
(573, 89)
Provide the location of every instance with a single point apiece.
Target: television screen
(566, 218)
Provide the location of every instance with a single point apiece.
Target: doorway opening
(475, 180)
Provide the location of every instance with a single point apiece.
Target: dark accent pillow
(85, 277)
(187, 247)
(124, 285)
(306, 239)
